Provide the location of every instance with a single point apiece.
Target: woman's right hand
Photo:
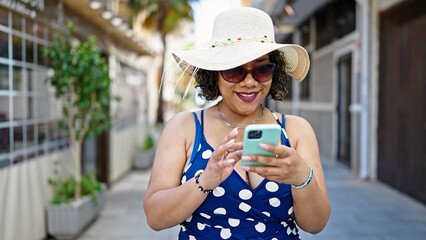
(222, 161)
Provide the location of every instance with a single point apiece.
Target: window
(4, 47)
(130, 85)
(334, 21)
(4, 77)
(305, 33)
(305, 86)
(289, 88)
(29, 112)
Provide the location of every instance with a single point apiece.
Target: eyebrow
(262, 59)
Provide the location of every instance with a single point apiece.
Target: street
(361, 210)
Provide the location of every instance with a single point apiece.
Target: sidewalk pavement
(361, 210)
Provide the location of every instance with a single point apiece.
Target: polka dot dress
(234, 210)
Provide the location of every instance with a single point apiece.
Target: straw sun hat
(241, 35)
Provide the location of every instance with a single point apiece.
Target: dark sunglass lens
(234, 75)
(264, 72)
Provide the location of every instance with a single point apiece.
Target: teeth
(247, 95)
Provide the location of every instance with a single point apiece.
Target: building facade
(366, 72)
(32, 145)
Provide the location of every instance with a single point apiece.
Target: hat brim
(234, 55)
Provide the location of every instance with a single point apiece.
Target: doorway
(94, 157)
(402, 94)
(344, 66)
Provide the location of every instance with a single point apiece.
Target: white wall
(24, 194)
(123, 144)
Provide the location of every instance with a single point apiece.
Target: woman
(197, 179)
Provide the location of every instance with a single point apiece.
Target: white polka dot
(225, 233)
(250, 219)
(183, 180)
(192, 237)
(205, 215)
(290, 211)
(275, 202)
(244, 207)
(189, 218)
(220, 211)
(187, 167)
(201, 226)
(199, 147)
(198, 172)
(207, 154)
(294, 231)
(217, 226)
(267, 214)
(274, 239)
(272, 187)
(219, 192)
(284, 223)
(260, 227)
(245, 194)
(288, 230)
(183, 228)
(233, 222)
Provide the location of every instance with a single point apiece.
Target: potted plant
(144, 154)
(81, 80)
(66, 218)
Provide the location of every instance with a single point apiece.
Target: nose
(249, 81)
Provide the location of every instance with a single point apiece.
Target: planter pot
(143, 159)
(67, 221)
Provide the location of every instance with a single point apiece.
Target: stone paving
(123, 217)
(366, 210)
(361, 210)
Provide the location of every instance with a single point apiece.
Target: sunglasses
(262, 73)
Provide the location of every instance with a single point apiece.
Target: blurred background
(365, 94)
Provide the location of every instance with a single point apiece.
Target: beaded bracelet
(197, 181)
(311, 172)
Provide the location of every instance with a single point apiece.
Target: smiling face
(245, 97)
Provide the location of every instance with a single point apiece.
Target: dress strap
(197, 122)
(202, 121)
(198, 135)
(286, 140)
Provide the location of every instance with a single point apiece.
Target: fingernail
(230, 143)
(234, 132)
(264, 146)
(230, 161)
(246, 158)
(245, 168)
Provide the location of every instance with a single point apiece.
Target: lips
(247, 96)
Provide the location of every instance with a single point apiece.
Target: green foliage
(64, 188)
(148, 143)
(162, 16)
(89, 186)
(81, 80)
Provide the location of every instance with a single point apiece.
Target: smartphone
(259, 133)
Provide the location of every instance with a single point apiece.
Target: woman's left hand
(286, 167)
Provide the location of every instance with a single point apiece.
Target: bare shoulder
(181, 119)
(182, 125)
(176, 139)
(298, 129)
(297, 122)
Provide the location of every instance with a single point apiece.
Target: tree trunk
(77, 162)
(160, 109)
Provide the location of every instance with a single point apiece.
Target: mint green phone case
(270, 133)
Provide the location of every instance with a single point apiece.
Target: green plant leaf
(148, 143)
(80, 72)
